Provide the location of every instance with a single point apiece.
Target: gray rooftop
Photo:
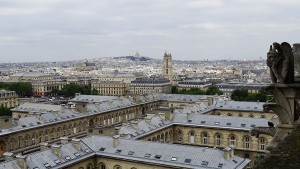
(226, 122)
(141, 151)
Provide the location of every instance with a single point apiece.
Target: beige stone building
(115, 153)
(110, 88)
(8, 99)
(193, 124)
(150, 85)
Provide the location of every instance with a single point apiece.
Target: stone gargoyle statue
(280, 60)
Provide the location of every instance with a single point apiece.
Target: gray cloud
(35, 30)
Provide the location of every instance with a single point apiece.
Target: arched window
(232, 140)
(262, 116)
(179, 135)
(218, 139)
(251, 115)
(240, 115)
(117, 167)
(247, 142)
(90, 166)
(192, 137)
(102, 166)
(262, 143)
(229, 114)
(204, 138)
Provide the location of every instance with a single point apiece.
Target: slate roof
(158, 153)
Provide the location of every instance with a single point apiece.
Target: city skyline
(34, 31)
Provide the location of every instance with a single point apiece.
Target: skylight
(76, 154)
(118, 151)
(147, 155)
(187, 160)
(57, 161)
(130, 153)
(157, 156)
(204, 163)
(174, 158)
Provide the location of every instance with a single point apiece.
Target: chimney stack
(43, 146)
(116, 141)
(22, 161)
(76, 144)
(64, 140)
(134, 124)
(117, 129)
(162, 115)
(56, 149)
(229, 152)
(8, 156)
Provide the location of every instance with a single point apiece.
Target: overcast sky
(60, 30)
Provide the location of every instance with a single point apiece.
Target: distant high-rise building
(168, 66)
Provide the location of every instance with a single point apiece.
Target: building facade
(150, 85)
(8, 99)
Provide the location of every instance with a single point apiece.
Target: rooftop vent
(102, 149)
(118, 151)
(130, 153)
(204, 163)
(174, 158)
(187, 160)
(147, 155)
(157, 156)
(202, 122)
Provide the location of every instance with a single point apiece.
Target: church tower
(168, 66)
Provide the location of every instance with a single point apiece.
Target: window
(204, 138)
(192, 137)
(247, 142)
(117, 167)
(179, 135)
(232, 140)
(262, 143)
(218, 139)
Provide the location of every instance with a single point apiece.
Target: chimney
(38, 115)
(43, 146)
(116, 141)
(169, 115)
(22, 161)
(229, 152)
(117, 129)
(148, 120)
(56, 149)
(126, 135)
(16, 120)
(64, 140)
(210, 101)
(76, 143)
(188, 116)
(162, 115)
(8, 156)
(134, 124)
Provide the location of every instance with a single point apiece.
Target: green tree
(240, 95)
(4, 111)
(21, 88)
(174, 90)
(94, 92)
(213, 90)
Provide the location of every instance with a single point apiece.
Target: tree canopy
(69, 90)
(21, 88)
(244, 95)
(212, 90)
